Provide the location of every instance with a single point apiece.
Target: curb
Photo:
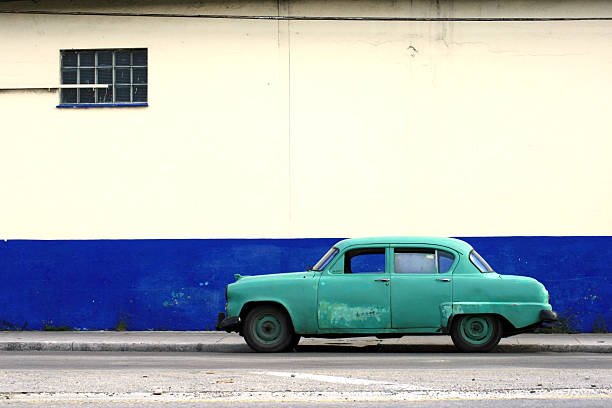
(141, 347)
(243, 348)
(558, 348)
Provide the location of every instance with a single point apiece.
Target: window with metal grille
(117, 77)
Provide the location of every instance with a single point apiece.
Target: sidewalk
(190, 341)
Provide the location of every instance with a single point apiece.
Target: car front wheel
(476, 333)
(268, 329)
(294, 341)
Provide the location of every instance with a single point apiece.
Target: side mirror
(309, 268)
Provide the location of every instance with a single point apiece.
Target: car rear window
(479, 262)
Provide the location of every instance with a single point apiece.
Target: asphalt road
(515, 403)
(305, 379)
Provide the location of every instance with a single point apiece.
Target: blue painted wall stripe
(179, 284)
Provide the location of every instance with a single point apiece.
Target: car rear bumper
(545, 318)
(228, 324)
(548, 316)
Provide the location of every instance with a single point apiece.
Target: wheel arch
(250, 305)
(507, 328)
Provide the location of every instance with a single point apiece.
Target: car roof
(454, 243)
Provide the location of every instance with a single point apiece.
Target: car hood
(273, 276)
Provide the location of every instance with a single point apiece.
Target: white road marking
(341, 380)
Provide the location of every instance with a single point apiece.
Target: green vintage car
(387, 287)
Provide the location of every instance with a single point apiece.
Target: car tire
(294, 341)
(268, 329)
(476, 333)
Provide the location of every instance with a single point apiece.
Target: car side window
(445, 261)
(415, 261)
(365, 260)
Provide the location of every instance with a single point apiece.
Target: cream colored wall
(310, 129)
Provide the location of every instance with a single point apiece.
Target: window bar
(113, 84)
(132, 76)
(96, 76)
(78, 78)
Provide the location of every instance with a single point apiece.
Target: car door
(355, 292)
(421, 286)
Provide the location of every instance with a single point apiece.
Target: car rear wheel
(268, 329)
(476, 333)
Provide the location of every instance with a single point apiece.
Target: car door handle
(443, 279)
(382, 280)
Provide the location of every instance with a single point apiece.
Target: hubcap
(477, 329)
(267, 329)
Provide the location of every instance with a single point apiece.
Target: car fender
(518, 314)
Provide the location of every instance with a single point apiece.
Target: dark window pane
(368, 263)
(140, 57)
(368, 260)
(128, 84)
(69, 59)
(415, 262)
(105, 76)
(445, 261)
(139, 93)
(105, 58)
(86, 59)
(123, 58)
(105, 95)
(86, 95)
(122, 93)
(140, 75)
(122, 75)
(69, 76)
(68, 95)
(87, 76)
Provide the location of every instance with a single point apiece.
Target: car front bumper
(228, 324)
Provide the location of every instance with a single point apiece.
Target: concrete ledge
(142, 347)
(232, 343)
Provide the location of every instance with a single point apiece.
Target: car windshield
(479, 262)
(327, 258)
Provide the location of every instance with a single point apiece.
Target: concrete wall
(294, 129)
